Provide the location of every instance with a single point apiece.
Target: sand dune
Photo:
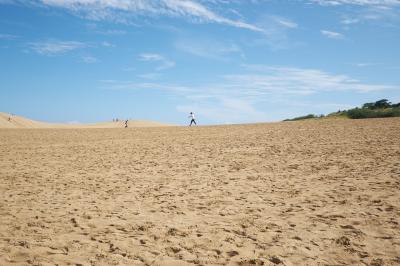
(297, 193)
(14, 121)
(121, 124)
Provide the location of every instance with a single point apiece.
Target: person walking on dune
(126, 123)
(193, 120)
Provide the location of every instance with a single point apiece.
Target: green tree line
(378, 109)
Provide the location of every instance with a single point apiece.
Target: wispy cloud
(332, 34)
(285, 22)
(276, 32)
(364, 64)
(349, 21)
(303, 81)
(90, 59)
(8, 36)
(208, 48)
(358, 2)
(380, 12)
(107, 44)
(123, 10)
(150, 76)
(95, 28)
(235, 97)
(263, 80)
(54, 47)
(164, 62)
(129, 69)
(111, 32)
(226, 110)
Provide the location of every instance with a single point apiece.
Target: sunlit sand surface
(14, 121)
(296, 193)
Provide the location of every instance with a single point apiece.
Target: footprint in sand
(232, 253)
(343, 241)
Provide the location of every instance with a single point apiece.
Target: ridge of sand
(22, 122)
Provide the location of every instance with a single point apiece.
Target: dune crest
(14, 121)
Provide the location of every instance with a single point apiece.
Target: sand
(295, 193)
(14, 121)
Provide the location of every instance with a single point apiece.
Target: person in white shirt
(191, 116)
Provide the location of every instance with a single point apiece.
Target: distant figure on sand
(9, 119)
(126, 123)
(191, 116)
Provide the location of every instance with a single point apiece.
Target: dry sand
(14, 121)
(296, 193)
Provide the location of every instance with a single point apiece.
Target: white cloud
(286, 22)
(364, 64)
(54, 47)
(107, 44)
(378, 15)
(208, 48)
(129, 69)
(263, 80)
(8, 37)
(123, 10)
(348, 21)
(111, 32)
(302, 81)
(276, 32)
(358, 2)
(226, 110)
(332, 34)
(235, 97)
(164, 62)
(151, 57)
(95, 28)
(89, 59)
(149, 76)
(379, 12)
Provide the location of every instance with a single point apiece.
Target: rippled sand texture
(296, 193)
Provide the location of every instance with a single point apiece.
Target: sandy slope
(296, 193)
(13, 121)
(121, 124)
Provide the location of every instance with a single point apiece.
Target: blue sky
(232, 61)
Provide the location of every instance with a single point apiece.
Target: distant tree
(384, 103)
(378, 109)
(310, 116)
(368, 106)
